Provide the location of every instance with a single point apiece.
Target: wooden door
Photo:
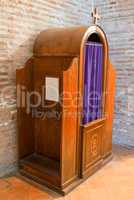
(92, 146)
(97, 135)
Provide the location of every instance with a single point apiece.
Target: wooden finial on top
(95, 15)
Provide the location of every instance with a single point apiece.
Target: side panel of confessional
(70, 136)
(109, 110)
(25, 122)
(49, 130)
(59, 141)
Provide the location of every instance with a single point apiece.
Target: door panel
(92, 144)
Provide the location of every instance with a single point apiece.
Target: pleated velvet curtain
(93, 80)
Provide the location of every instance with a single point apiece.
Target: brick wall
(118, 22)
(20, 22)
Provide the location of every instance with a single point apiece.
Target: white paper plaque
(52, 88)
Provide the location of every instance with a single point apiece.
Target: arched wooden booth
(55, 147)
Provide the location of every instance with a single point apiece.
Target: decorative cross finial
(95, 15)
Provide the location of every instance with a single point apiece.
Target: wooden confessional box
(55, 148)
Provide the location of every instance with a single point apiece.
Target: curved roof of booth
(59, 41)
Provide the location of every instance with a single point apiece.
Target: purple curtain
(93, 82)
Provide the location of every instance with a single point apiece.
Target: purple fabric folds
(93, 80)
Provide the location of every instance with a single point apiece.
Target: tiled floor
(115, 181)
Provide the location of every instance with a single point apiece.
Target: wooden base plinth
(28, 169)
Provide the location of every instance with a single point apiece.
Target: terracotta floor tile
(115, 181)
